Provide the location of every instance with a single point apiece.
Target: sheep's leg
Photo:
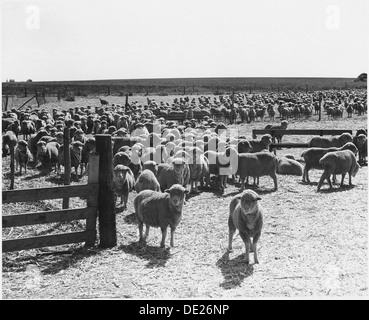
(140, 230)
(343, 177)
(246, 240)
(329, 181)
(230, 238)
(125, 199)
(322, 178)
(334, 178)
(254, 244)
(163, 236)
(350, 182)
(147, 231)
(243, 183)
(274, 177)
(196, 190)
(172, 229)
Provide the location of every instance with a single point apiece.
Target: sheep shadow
(156, 256)
(234, 271)
(339, 189)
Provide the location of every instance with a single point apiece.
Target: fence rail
(99, 195)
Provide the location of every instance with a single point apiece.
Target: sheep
(338, 162)
(243, 146)
(257, 165)
(22, 156)
(9, 141)
(333, 141)
(362, 142)
(313, 155)
(15, 127)
(47, 153)
(199, 168)
(123, 182)
(147, 181)
(88, 147)
(75, 156)
(155, 209)
(282, 126)
(121, 158)
(27, 128)
(174, 173)
(262, 144)
(245, 214)
(152, 166)
(289, 166)
(32, 143)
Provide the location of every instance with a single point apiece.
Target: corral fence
(286, 132)
(98, 193)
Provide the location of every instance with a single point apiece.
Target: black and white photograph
(181, 155)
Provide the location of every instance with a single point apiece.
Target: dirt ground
(312, 244)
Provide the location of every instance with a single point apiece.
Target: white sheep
(245, 214)
(338, 162)
(160, 210)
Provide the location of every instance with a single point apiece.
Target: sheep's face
(267, 139)
(284, 124)
(176, 195)
(77, 148)
(120, 173)
(346, 137)
(178, 167)
(249, 201)
(22, 146)
(355, 169)
(361, 140)
(41, 147)
(244, 146)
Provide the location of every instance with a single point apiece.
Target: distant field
(180, 86)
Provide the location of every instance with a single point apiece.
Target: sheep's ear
(239, 197)
(187, 191)
(258, 198)
(166, 190)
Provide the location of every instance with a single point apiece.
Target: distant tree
(362, 77)
(11, 80)
(29, 80)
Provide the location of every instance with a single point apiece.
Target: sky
(53, 40)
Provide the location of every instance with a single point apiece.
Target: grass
(312, 244)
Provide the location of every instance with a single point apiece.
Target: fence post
(93, 177)
(12, 160)
(106, 205)
(6, 102)
(67, 164)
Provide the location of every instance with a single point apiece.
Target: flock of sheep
(159, 159)
(246, 108)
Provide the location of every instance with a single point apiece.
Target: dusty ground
(312, 244)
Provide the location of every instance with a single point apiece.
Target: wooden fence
(286, 132)
(99, 195)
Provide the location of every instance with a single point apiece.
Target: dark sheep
(22, 156)
(257, 165)
(338, 162)
(160, 210)
(123, 181)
